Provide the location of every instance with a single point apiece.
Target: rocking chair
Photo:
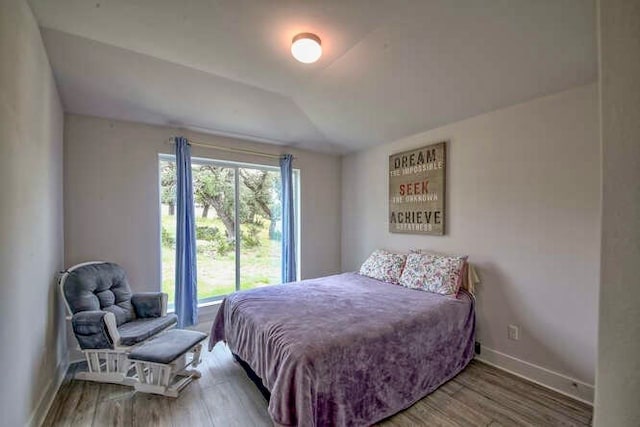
(109, 321)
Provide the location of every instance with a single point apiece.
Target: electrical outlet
(513, 332)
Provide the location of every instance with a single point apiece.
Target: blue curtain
(288, 220)
(186, 301)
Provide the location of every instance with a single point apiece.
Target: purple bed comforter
(346, 349)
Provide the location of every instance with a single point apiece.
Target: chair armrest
(150, 304)
(95, 329)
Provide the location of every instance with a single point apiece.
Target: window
(238, 225)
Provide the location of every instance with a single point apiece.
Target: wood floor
(479, 396)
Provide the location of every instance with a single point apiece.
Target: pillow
(440, 274)
(469, 274)
(384, 265)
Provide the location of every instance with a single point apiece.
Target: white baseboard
(48, 395)
(556, 381)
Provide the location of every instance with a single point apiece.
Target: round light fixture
(306, 48)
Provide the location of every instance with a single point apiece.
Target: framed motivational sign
(417, 190)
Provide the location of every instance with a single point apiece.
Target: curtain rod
(230, 149)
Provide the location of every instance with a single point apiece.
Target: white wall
(523, 203)
(618, 374)
(32, 349)
(111, 196)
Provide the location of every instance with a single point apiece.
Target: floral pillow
(439, 274)
(384, 265)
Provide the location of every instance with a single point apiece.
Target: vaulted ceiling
(390, 69)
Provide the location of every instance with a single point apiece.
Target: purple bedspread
(346, 349)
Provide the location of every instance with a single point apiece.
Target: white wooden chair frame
(168, 379)
(108, 365)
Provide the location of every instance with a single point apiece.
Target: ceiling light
(306, 48)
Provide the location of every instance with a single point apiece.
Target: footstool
(162, 365)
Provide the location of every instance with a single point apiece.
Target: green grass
(259, 266)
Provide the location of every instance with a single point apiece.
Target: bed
(346, 350)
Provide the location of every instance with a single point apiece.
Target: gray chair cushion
(91, 330)
(147, 304)
(138, 330)
(167, 347)
(101, 286)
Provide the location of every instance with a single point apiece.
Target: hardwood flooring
(479, 396)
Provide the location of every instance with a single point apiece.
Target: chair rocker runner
(111, 324)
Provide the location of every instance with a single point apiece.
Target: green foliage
(261, 197)
(167, 238)
(215, 186)
(168, 182)
(224, 246)
(212, 243)
(204, 247)
(205, 232)
(251, 238)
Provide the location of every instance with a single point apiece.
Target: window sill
(172, 310)
(209, 303)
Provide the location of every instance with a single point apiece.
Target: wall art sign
(417, 190)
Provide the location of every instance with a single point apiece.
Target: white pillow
(440, 274)
(384, 265)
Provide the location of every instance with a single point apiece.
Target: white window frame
(236, 166)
